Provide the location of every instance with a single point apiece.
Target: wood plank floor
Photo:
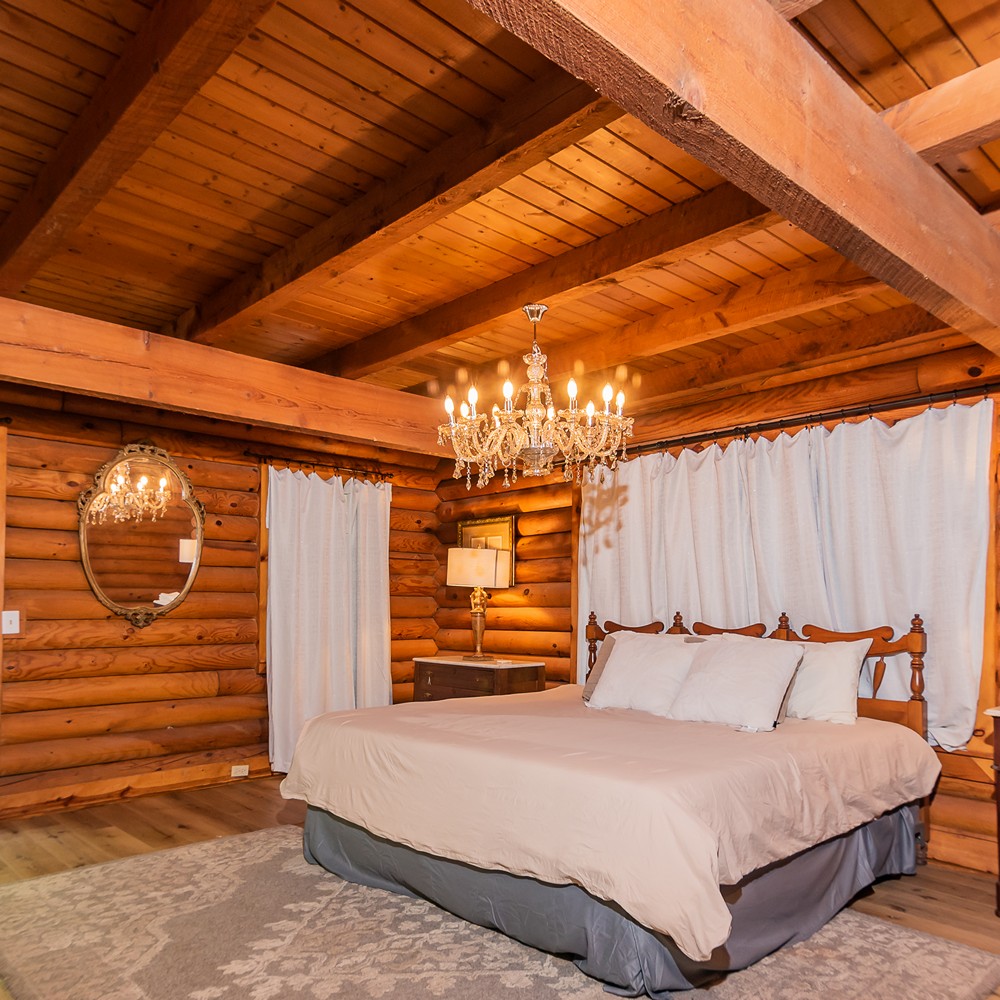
(951, 902)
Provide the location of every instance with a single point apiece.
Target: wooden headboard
(911, 713)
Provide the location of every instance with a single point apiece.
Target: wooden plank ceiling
(795, 202)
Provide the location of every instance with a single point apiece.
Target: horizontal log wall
(95, 709)
(534, 618)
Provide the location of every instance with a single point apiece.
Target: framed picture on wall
(489, 533)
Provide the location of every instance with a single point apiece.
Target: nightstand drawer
(435, 678)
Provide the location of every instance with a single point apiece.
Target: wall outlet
(11, 623)
(240, 771)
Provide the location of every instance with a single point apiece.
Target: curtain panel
(328, 638)
(861, 525)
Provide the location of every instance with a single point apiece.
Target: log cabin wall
(94, 708)
(534, 618)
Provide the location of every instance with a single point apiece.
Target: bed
(657, 852)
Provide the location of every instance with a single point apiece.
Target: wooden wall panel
(89, 696)
(94, 708)
(534, 617)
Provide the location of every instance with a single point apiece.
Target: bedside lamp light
(479, 568)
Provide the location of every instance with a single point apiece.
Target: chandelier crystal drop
(128, 501)
(537, 437)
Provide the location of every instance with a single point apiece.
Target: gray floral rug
(246, 918)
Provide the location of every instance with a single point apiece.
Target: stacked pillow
(640, 671)
(729, 679)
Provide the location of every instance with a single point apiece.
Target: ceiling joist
(544, 117)
(953, 117)
(755, 366)
(180, 46)
(719, 216)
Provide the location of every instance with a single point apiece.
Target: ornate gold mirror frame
(141, 534)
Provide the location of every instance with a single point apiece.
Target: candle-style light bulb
(449, 408)
(473, 399)
(508, 395)
(551, 413)
(606, 396)
(620, 401)
(464, 410)
(590, 412)
(571, 391)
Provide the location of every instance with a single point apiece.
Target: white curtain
(328, 645)
(862, 525)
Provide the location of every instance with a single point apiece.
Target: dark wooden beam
(179, 47)
(544, 117)
(719, 216)
(56, 350)
(738, 88)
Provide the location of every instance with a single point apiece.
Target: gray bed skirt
(774, 906)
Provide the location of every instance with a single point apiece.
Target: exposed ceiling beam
(797, 351)
(56, 350)
(743, 307)
(735, 86)
(953, 117)
(180, 46)
(792, 8)
(534, 123)
(719, 216)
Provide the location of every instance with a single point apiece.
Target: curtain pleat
(846, 528)
(328, 639)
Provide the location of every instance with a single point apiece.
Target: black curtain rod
(282, 460)
(743, 431)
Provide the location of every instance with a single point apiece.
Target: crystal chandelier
(537, 437)
(126, 501)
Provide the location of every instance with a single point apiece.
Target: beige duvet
(650, 813)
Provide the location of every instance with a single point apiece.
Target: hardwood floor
(950, 902)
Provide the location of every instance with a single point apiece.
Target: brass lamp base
(478, 625)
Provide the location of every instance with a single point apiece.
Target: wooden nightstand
(995, 712)
(437, 677)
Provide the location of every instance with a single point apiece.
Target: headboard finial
(783, 620)
(678, 620)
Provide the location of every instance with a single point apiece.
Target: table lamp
(479, 568)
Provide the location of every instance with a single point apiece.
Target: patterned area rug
(246, 918)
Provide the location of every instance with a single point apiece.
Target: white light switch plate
(11, 622)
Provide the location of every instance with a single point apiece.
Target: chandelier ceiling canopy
(537, 437)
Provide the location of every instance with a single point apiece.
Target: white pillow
(643, 672)
(738, 683)
(825, 687)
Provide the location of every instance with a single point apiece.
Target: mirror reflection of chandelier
(128, 501)
(536, 437)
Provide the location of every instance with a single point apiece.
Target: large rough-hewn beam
(181, 45)
(57, 350)
(545, 117)
(737, 87)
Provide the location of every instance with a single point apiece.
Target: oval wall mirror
(141, 533)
